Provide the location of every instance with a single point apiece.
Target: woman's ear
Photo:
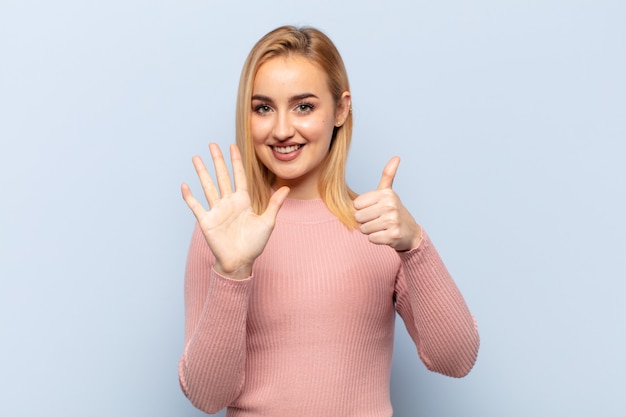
(344, 107)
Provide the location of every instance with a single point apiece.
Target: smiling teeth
(286, 149)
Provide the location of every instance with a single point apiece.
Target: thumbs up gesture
(382, 216)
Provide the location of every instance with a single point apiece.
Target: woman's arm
(211, 369)
(427, 298)
(435, 312)
(227, 239)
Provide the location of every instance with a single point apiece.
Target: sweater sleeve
(211, 369)
(435, 313)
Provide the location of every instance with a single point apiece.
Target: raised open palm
(234, 232)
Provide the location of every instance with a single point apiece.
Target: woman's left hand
(382, 216)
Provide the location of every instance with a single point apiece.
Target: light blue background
(509, 116)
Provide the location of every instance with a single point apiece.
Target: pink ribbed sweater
(310, 333)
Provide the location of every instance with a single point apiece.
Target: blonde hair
(316, 46)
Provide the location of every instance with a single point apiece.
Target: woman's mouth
(286, 149)
(286, 153)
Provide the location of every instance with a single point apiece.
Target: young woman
(292, 280)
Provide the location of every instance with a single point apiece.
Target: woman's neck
(300, 189)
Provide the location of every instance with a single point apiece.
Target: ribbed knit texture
(310, 333)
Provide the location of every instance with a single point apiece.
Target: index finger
(389, 173)
(221, 170)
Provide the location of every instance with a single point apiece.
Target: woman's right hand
(234, 232)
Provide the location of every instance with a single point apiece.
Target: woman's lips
(286, 152)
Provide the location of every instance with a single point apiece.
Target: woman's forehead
(289, 72)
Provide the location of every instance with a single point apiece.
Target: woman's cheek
(260, 130)
(313, 129)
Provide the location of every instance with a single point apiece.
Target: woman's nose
(283, 127)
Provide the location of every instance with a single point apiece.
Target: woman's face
(293, 115)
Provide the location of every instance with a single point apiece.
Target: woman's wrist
(234, 272)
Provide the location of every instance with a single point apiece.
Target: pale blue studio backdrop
(509, 116)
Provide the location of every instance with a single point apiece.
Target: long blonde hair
(316, 46)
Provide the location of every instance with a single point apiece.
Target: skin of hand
(382, 216)
(234, 232)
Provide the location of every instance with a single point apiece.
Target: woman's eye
(262, 108)
(304, 108)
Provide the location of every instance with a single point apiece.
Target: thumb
(275, 203)
(389, 173)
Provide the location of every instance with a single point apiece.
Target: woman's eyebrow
(297, 97)
(303, 96)
(261, 97)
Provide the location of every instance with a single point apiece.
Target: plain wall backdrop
(509, 116)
